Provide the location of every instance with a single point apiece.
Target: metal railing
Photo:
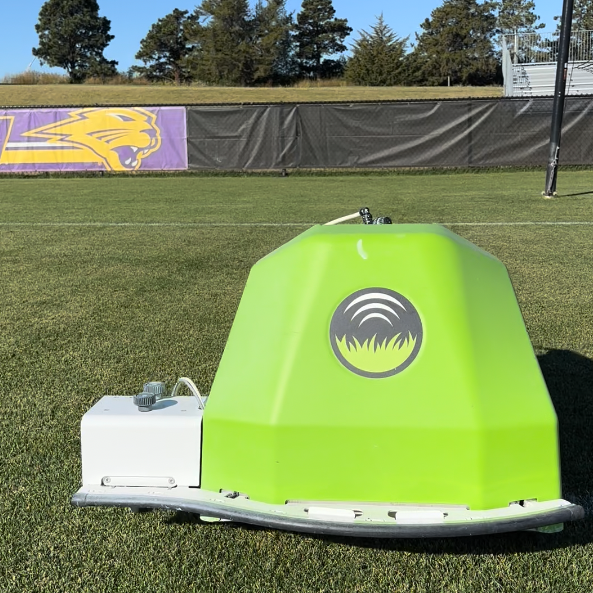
(539, 48)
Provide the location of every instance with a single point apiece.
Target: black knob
(367, 217)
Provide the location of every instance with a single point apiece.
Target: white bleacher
(531, 80)
(530, 73)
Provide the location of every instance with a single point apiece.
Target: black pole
(559, 94)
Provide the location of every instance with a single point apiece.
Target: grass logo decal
(376, 332)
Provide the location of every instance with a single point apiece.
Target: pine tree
(239, 46)
(101, 68)
(457, 42)
(317, 34)
(73, 36)
(582, 16)
(581, 46)
(165, 49)
(272, 43)
(377, 57)
(224, 53)
(517, 16)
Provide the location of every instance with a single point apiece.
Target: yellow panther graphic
(117, 138)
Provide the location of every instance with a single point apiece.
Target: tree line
(230, 42)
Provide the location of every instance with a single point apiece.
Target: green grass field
(75, 94)
(92, 305)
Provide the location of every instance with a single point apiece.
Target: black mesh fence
(243, 137)
(461, 133)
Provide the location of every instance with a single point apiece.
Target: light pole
(559, 95)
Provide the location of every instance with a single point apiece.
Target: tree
(274, 59)
(239, 46)
(517, 16)
(582, 16)
(165, 49)
(457, 42)
(581, 44)
(73, 36)
(101, 68)
(319, 34)
(224, 52)
(377, 57)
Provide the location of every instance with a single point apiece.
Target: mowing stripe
(265, 224)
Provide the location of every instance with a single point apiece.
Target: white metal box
(122, 446)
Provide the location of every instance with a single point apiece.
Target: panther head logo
(119, 138)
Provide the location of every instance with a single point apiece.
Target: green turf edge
(330, 172)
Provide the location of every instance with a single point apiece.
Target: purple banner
(93, 139)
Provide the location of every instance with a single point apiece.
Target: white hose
(191, 386)
(343, 219)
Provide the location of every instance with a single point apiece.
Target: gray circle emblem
(376, 332)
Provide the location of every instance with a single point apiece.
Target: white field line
(267, 224)
(155, 224)
(527, 223)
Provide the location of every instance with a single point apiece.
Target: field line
(526, 223)
(156, 224)
(268, 224)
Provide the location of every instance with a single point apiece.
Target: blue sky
(130, 21)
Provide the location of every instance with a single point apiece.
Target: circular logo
(376, 332)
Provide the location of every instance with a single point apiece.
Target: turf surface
(76, 94)
(90, 309)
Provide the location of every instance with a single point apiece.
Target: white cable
(191, 386)
(343, 219)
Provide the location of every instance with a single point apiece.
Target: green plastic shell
(468, 421)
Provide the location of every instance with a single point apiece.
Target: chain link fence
(461, 133)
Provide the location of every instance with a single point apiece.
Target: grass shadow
(569, 377)
(582, 193)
